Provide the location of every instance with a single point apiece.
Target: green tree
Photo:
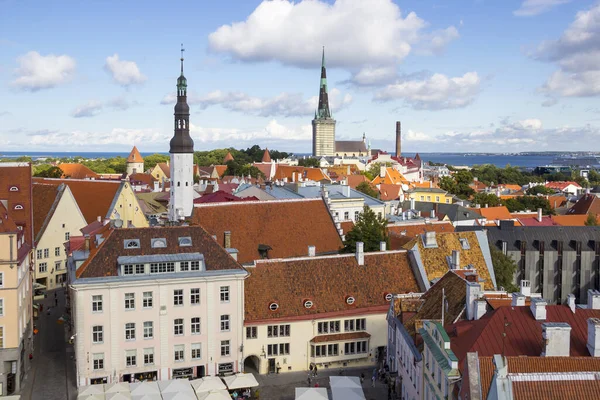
(367, 189)
(591, 220)
(539, 189)
(153, 159)
(369, 228)
(486, 198)
(504, 269)
(531, 203)
(374, 170)
(309, 162)
(458, 184)
(51, 172)
(594, 177)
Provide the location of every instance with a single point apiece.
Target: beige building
(15, 279)
(323, 137)
(135, 162)
(56, 217)
(295, 316)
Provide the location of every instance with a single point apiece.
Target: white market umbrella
(116, 387)
(345, 382)
(240, 380)
(175, 386)
(207, 384)
(214, 395)
(118, 396)
(95, 396)
(144, 388)
(344, 393)
(179, 396)
(153, 396)
(304, 393)
(91, 389)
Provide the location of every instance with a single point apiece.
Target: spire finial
(323, 58)
(182, 50)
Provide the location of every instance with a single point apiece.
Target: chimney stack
(360, 254)
(539, 215)
(557, 339)
(571, 302)
(382, 246)
(398, 138)
(473, 292)
(312, 251)
(227, 243)
(593, 300)
(518, 299)
(480, 308)
(593, 342)
(538, 308)
(412, 203)
(525, 288)
(455, 259)
(382, 171)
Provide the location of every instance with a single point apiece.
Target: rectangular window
(361, 347)
(130, 331)
(272, 350)
(57, 266)
(184, 266)
(179, 352)
(334, 326)
(195, 326)
(2, 280)
(346, 215)
(43, 267)
(284, 349)
(178, 297)
(284, 330)
(178, 327)
(251, 332)
(321, 350)
(130, 358)
(361, 324)
(437, 199)
(195, 265)
(148, 330)
(98, 359)
(422, 198)
(195, 296)
(224, 323)
(147, 300)
(57, 251)
(332, 349)
(46, 253)
(39, 254)
(196, 351)
(130, 301)
(224, 348)
(67, 236)
(349, 325)
(428, 198)
(1, 307)
(224, 294)
(140, 269)
(1, 337)
(356, 215)
(97, 334)
(97, 303)
(149, 356)
(128, 269)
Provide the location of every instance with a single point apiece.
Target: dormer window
(13, 189)
(464, 243)
(131, 243)
(185, 241)
(273, 306)
(350, 300)
(18, 207)
(158, 243)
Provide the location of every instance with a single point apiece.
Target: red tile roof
(355, 180)
(7, 225)
(220, 196)
(142, 179)
(287, 226)
(546, 221)
(557, 201)
(264, 168)
(389, 192)
(327, 281)
(494, 213)
(165, 169)
(44, 198)
(94, 198)
(571, 220)
(295, 173)
(77, 171)
(103, 261)
(135, 156)
(588, 203)
(562, 185)
(340, 336)
(556, 390)
(266, 156)
(401, 234)
(392, 177)
(18, 176)
(523, 335)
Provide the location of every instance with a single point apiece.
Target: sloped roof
(7, 225)
(454, 212)
(392, 177)
(571, 220)
(135, 156)
(45, 198)
(401, 234)
(219, 197)
(389, 192)
(150, 202)
(165, 169)
(228, 157)
(266, 158)
(18, 175)
(478, 186)
(546, 221)
(288, 171)
(103, 261)
(77, 171)
(143, 179)
(287, 226)
(350, 146)
(588, 203)
(563, 389)
(562, 185)
(355, 180)
(557, 201)
(94, 198)
(289, 283)
(494, 213)
(264, 168)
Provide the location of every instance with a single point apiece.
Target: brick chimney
(360, 254)
(557, 339)
(398, 138)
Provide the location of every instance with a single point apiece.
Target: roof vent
(308, 304)
(388, 297)
(158, 243)
(131, 243)
(350, 300)
(273, 306)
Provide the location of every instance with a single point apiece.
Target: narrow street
(52, 376)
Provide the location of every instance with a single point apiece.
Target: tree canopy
(366, 188)
(50, 172)
(153, 159)
(309, 162)
(531, 203)
(369, 228)
(504, 269)
(486, 198)
(591, 220)
(458, 184)
(539, 189)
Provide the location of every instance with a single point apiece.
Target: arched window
(18, 207)
(13, 189)
(273, 306)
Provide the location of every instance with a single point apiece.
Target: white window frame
(130, 331)
(148, 353)
(225, 323)
(1, 279)
(130, 301)
(178, 327)
(195, 297)
(46, 253)
(196, 351)
(178, 297)
(96, 303)
(148, 329)
(225, 294)
(196, 327)
(99, 358)
(67, 236)
(57, 251)
(179, 353)
(147, 299)
(131, 358)
(43, 267)
(98, 336)
(39, 254)
(225, 348)
(251, 332)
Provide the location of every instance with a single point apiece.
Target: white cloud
(434, 93)
(356, 34)
(86, 139)
(89, 109)
(37, 72)
(284, 104)
(374, 76)
(413, 136)
(273, 131)
(125, 73)
(530, 8)
(576, 53)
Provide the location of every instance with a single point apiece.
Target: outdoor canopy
(144, 388)
(179, 395)
(175, 386)
(239, 381)
(221, 394)
(118, 395)
(303, 393)
(95, 396)
(207, 384)
(122, 387)
(91, 389)
(346, 388)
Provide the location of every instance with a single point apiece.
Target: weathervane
(182, 50)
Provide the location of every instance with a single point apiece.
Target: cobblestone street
(52, 376)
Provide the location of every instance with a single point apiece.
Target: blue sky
(461, 75)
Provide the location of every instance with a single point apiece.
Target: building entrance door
(271, 365)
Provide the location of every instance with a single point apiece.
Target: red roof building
(221, 196)
(16, 194)
(77, 171)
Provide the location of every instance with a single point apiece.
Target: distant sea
(500, 160)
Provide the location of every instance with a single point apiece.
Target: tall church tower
(181, 202)
(323, 124)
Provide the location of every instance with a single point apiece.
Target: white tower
(181, 202)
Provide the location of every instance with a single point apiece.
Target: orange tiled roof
(266, 156)
(355, 180)
(287, 226)
(389, 192)
(228, 157)
(570, 220)
(557, 201)
(94, 198)
(292, 172)
(401, 234)
(392, 177)
(289, 283)
(135, 156)
(516, 188)
(423, 185)
(494, 213)
(44, 197)
(144, 179)
(77, 171)
(562, 185)
(18, 176)
(478, 186)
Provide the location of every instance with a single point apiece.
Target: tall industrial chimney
(398, 138)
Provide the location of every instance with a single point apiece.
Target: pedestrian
(55, 294)
(362, 377)
(373, 381)
(309, 380)
(56, 302)
(316, 370)
(278, 367)
(316, 384)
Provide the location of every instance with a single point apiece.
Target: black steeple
(323, 110)
(181, 141)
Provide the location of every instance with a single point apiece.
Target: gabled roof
(546, 221)
(478, 186)
(494, 213)
(355, 180)
(103, 261)
(562, 185)
(165, 169)
(135, 156)
(295, 173)
(228, 157)
(142, 179)
(45, 200)
(327, 281)
(77, 171)
(265, 168)
(16, 190)
(401, 234)
(266, 158)
(350, 146)
(557, 201)
(219, 197)
(94, 198)
(392, 177)
(389, 192)
(571, 220)
(588, 203)
(287, 226)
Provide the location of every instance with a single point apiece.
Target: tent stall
(207, 384)
(240, 381)
(221, 394)
(118, 396)
(91, 389)
(346, 388)
(117, 387)
(317, 393)
(175, 386)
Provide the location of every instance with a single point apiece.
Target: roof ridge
(326, 256)
(256, 202)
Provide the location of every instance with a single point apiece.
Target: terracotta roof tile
(264, 168)
(588, 203)
(94, 198)
(287, 226)
(494, 213)
(556, 390)
(165, 169)
(295, 173)
(392, 177)
(7, 225)
(389, 192)
(266, 156)
(44, 197)
(401, 234)
(228, 157)
(340, 336)
(355, 180)
(135, 156)
(562, 185)
(220, 196)
(77, 171)
(289, 283)
(18, 175)
(557, 201)
(143, 179)
(103, 262)
(546, 221)
(570, 220)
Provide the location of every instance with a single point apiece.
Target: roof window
(131, 243)
(308, 304)
(158, 243)
(185, 241)
(464, 243)
(273, 306)
(350, 300)
(18, 207)
(13, 189)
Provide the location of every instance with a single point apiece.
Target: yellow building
(433, 195)
(161, 172)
